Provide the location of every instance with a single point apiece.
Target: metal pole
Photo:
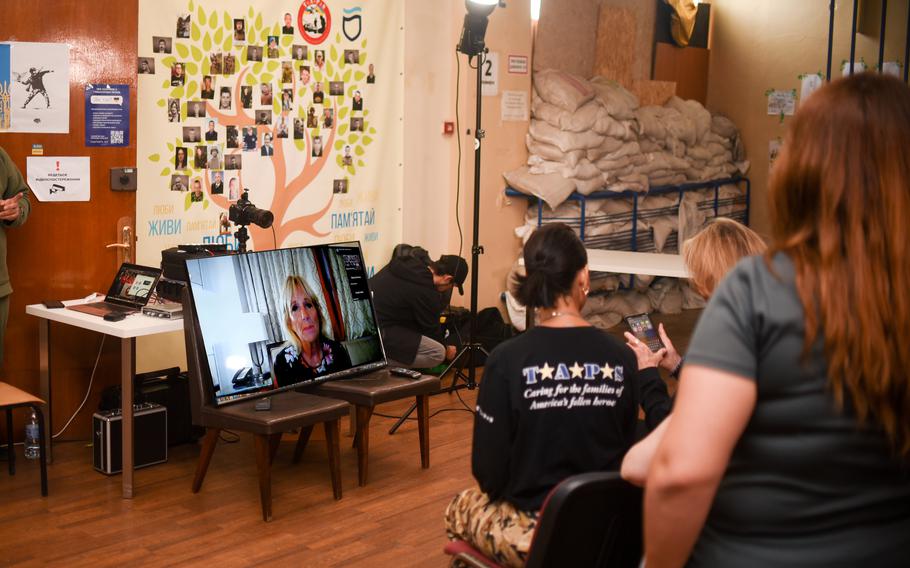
(881, 38)
(853, 35)
(476, 249)
(831, 38)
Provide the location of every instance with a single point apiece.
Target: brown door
(60, 253)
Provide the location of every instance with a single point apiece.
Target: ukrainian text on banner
(298, 102)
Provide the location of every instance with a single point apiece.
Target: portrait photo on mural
(292, 85)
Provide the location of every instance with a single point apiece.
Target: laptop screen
(280, 319)
(133, 285)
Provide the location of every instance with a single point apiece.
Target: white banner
(299, 102)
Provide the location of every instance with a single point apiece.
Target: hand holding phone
(644, 331)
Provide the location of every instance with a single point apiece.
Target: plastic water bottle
(31, 437)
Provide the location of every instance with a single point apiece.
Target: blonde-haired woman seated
(709, 255)
(790, 438)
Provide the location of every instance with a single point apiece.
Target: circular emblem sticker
(314, 21)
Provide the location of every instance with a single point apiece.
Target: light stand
(471, 44)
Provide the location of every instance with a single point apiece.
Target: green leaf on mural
(154, 157)
(347, 75)
(266, 77)
(250, 79)
(190, 6)
(337, 38)
(227, 42)
(191, 68)
(169, 60)
(363, 44)
(207, 42)
(367, 140)
(213, 20)
(343, 112)
(161, 102)
(170, 146)
(272, 65)
(339, 144)
(287, 40)
(342, 129)
(196, 33)
(372, 131)
(251, 36)
(165, 172)
(329, 69)
(205, 204)
(191, 88)
(333, 53)
(187, 201)
(359, 151)
(259, 21)
(206, 66)
(182, 50)
(197, 53)
(353, 138)
(358, 75)
(363, 57)
(177, 92)
(218, 35)
(300, 144)
(250, 13)
(360, 163)
(228, 21)
(276, 105)
(201, 15)
(276, 30)
(366, 112)
(339, 160)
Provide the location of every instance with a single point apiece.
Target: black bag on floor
(490, 329)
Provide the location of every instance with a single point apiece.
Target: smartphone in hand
(643, 328)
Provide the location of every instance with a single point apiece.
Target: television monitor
(280, 319)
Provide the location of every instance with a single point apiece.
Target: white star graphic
(607, 371)
(546, 372)
(576, 370)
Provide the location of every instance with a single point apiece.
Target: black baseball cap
(454, 266)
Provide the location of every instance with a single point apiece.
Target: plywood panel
(686, 66)
(616, 44)
(653, 92)
(566, 36)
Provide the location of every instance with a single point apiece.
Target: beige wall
(767, 44)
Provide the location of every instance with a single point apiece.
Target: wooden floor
(396, 520)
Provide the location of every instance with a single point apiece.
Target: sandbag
(552, 188)
(562, 89)
(552, 153)
(619, 103)
(566, 141)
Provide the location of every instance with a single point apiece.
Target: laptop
(131, 289)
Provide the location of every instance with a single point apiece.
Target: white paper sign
(781, 102)
(39, 97)
(892, 68)
(809, 84)
(518, 64)
(489, 75)
(59, 178)
(858, 67)
(514, 106)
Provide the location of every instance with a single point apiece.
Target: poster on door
(34, 87)
(294, 105)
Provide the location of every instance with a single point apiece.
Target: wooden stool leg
(302, 442)
(42, 455)
(274, 442)
(362, 440)
(333, 445)
(10, 453)
(205, 456)
(264, 465)
(423, 429)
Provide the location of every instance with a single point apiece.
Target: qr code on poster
(116, 137)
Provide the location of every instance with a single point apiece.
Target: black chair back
(591, 520)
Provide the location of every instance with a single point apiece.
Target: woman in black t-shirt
(308, 353)
(558, 400)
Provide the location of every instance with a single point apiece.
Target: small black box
(149, 437)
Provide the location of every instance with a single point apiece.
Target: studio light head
(475, 26)
(245, 213)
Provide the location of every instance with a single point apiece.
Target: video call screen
(284, 318)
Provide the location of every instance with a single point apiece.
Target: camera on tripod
(243, 212)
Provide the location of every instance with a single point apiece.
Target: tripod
(471, 349)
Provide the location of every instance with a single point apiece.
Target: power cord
(87, 391)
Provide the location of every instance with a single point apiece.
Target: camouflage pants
(497, 529)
